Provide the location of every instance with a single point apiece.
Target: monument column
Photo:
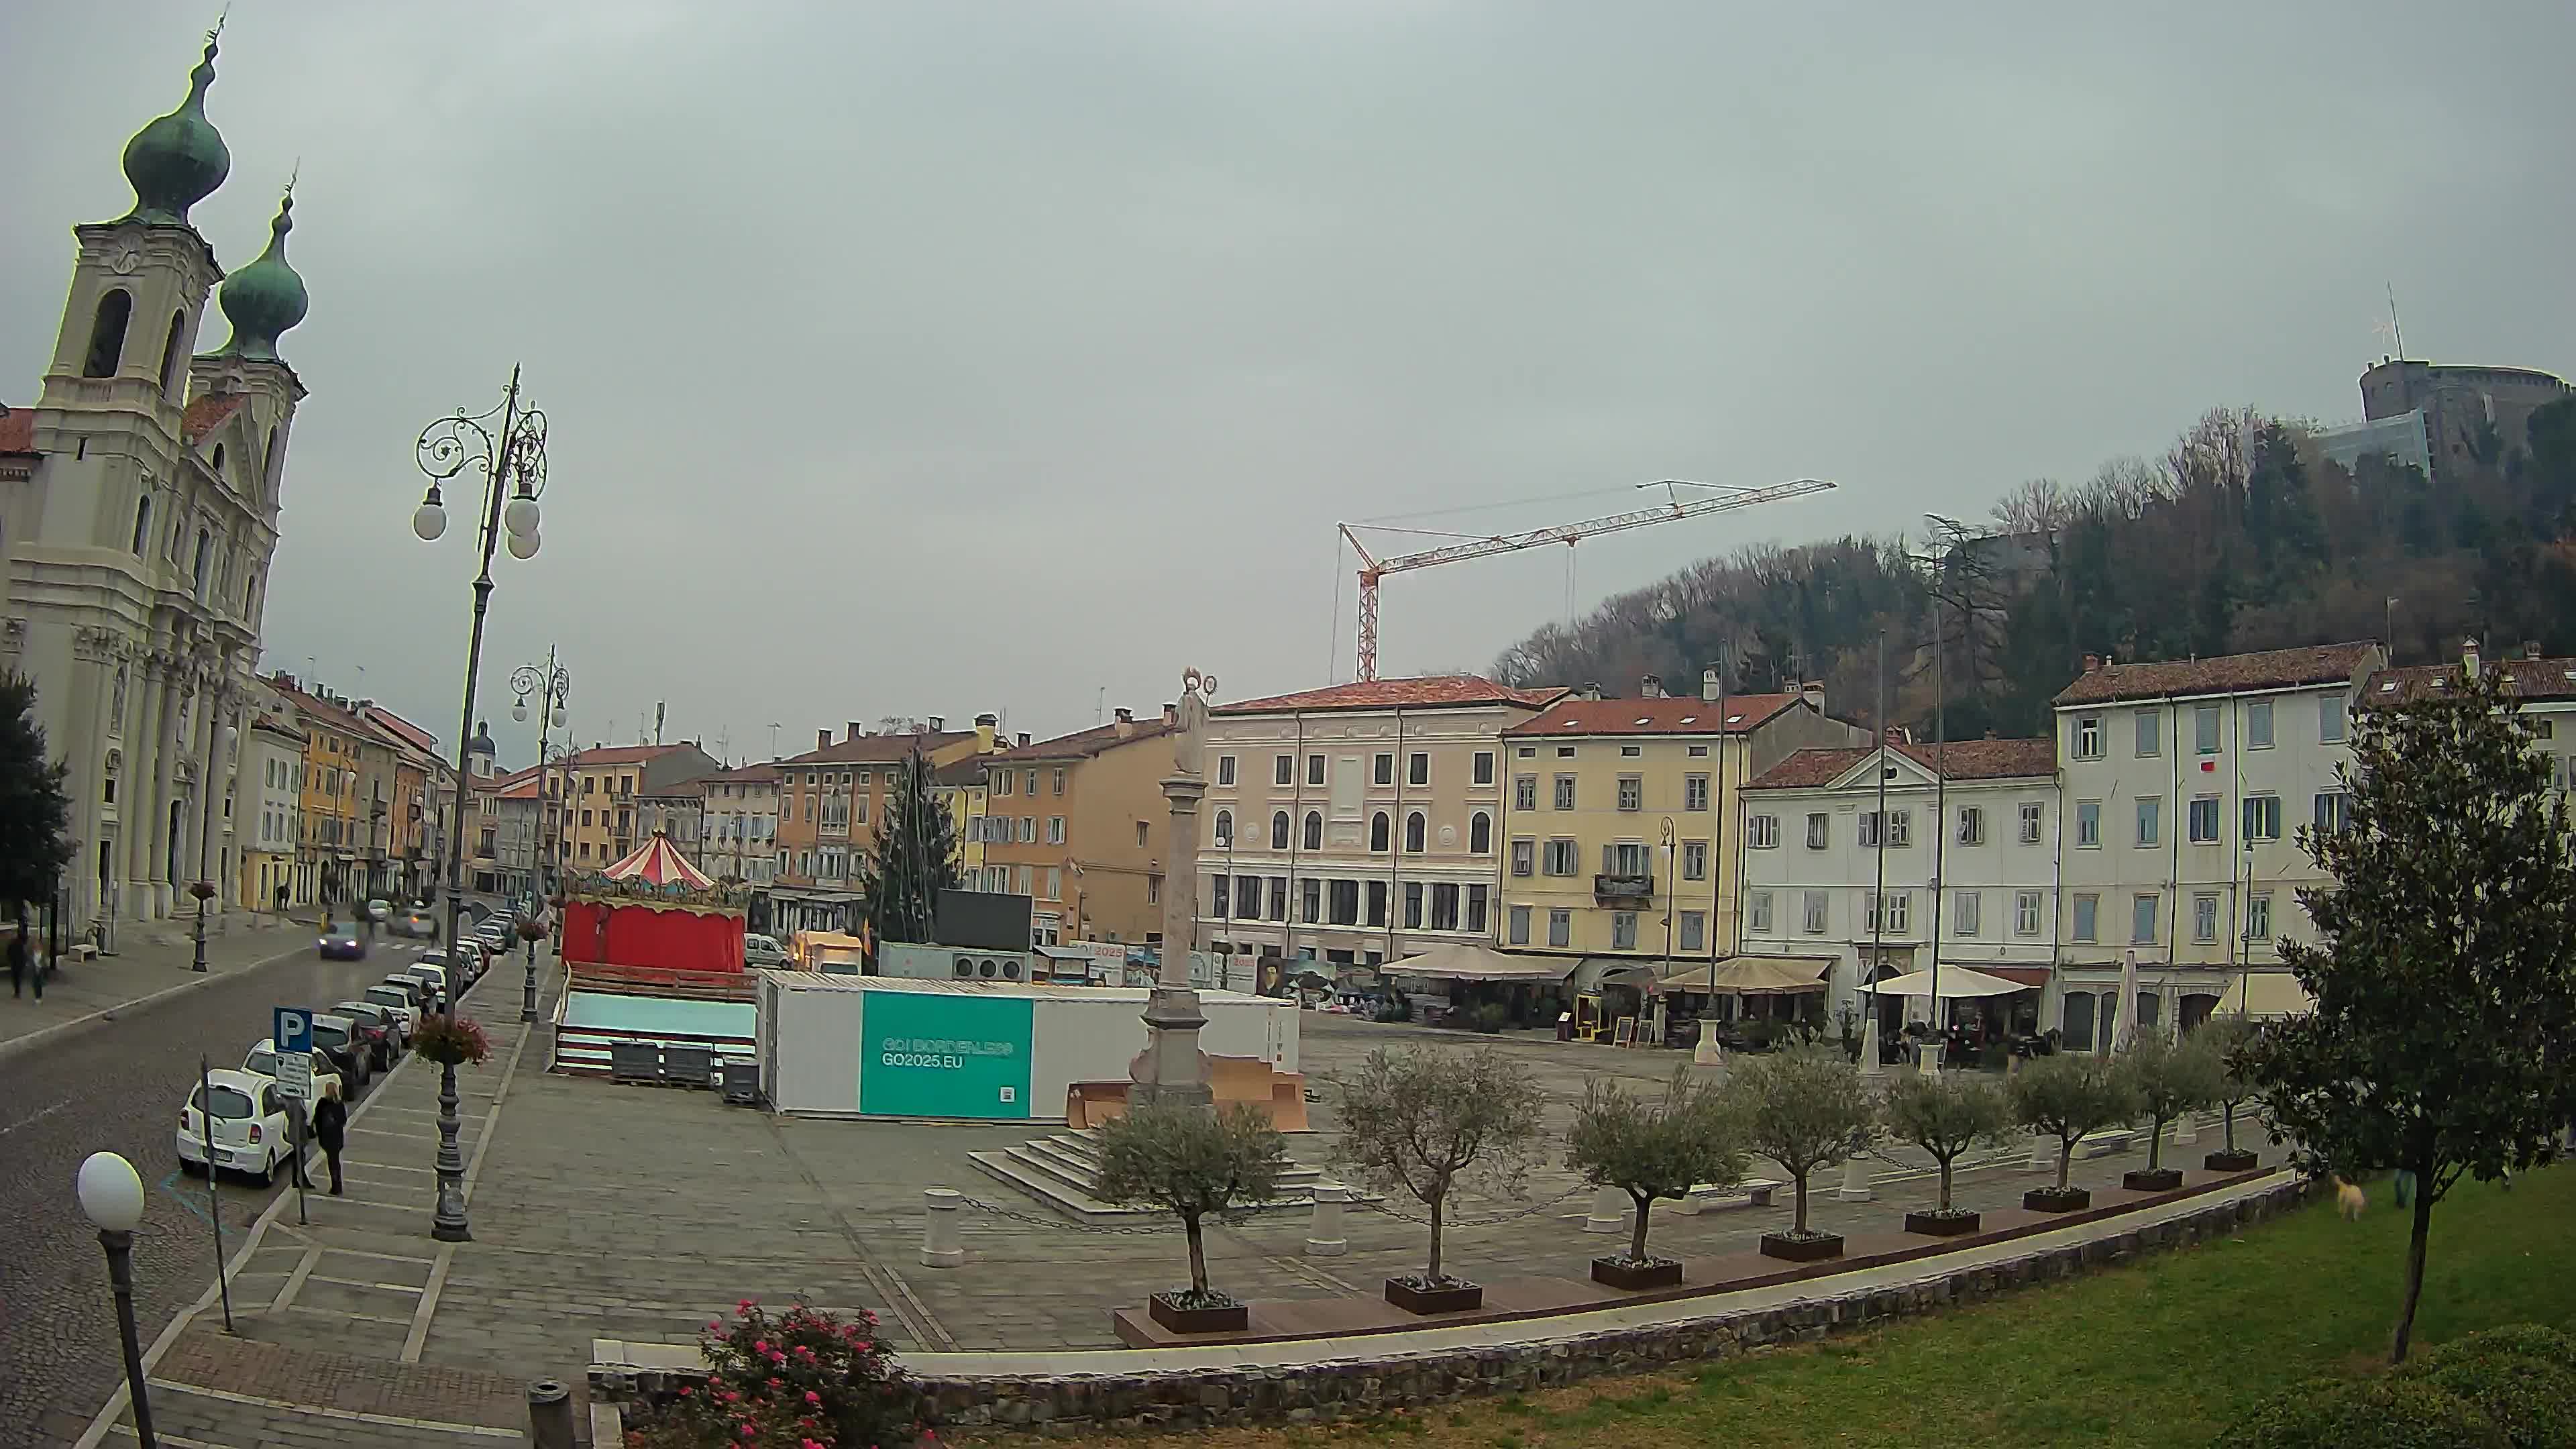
(1172, 1069)
(139, 805)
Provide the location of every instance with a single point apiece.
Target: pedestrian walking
(330, 1124)
(18, 964)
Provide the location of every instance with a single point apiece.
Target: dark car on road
(337, 1037)
(378, 1027)
(341, 943)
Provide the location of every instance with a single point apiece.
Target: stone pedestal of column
(1869, 1063)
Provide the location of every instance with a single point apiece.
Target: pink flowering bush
(803, 1379)
(451, 1040)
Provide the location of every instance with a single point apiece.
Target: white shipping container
(875, 1046)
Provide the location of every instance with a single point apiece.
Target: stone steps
(1063, 1172)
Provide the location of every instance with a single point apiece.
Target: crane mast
(1673, 510)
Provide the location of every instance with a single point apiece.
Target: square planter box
(1802, 1250)
(1453, 1298)
(2239, 1161)
(1230, 1318)
(2162, 1179)
(1654, 1273)
(1941, 1225)
(2050, 1200)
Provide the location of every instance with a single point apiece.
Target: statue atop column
(1189, 739)
(1171, 1068)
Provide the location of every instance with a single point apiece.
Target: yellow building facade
(1615, 819)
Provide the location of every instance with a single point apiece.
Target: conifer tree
(915, 857)
(35, 814)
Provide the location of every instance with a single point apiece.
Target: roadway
(118, 1085)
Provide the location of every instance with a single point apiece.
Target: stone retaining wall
(1377, 1383)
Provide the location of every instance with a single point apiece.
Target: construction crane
(1373, 568)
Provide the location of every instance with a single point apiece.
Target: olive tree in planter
(1805, 1108)
(2226, 1038)
(2065, 1096)
(2167, 1079)
(1426, 1122)
(1652, 1150)
(1191, 1162)
(1946, 1115)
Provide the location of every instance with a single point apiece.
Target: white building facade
(2184, 785)
(1961, 866)
(268, 808)
(741, 824)
(140, 524)
(1308, 848)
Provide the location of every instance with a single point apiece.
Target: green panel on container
(934, 1054)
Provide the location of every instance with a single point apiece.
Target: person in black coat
(330, 1126)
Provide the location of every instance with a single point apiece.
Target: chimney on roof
(2092, 663)
(822, 739)
(939, 724)
(2469, 657)
(988, 728)
(1813, 692)
(2530, 648)
(1650, 686)
(1022, 739)
(1125, 724)
(855, 731)
(1708, 685)
(1592, 691)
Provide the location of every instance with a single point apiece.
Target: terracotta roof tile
(622, 754)
(17, 430)
(1678, 716)
(207, 413)
(2532, 679)
(1083, 744)
(1959, 760)
(759, 774)
(1433, 691)
(878, 749)
(2270, 669)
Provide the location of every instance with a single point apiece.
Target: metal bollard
(1324, 1238)
(1855, 1186)
(549, 1415)
(1609, 1214)
(941, 1247)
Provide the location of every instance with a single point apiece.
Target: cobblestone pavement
(118, 1084)
(638, 1213)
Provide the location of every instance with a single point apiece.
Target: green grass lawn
(2165, 1351)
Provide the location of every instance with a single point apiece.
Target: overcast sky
(930, 359)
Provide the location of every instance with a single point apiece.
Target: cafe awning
(1956, 982)
(1740, 975)
(1469, 962)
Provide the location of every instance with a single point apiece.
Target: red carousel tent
(653, 910)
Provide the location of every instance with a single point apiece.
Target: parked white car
(249, 1125)
(759, 951)
(401, 1002)
(262, 1062)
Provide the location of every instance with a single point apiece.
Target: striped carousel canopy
(658, 863)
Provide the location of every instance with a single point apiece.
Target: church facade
(139, 498)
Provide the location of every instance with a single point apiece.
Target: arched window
(107, 333)
(1378, 832)
(142, 523)
(1279, 830)
(269, 462)
(250, 596)
(1413, 828)
(1480, 833)
(170, 352)
(1225, 827)
(205, 557)
(1314, 830)
(218, 463)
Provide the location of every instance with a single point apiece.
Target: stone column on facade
(1172, 1069)
(140, 800)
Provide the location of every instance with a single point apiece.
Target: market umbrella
(1956, 982)
(2124, 1021)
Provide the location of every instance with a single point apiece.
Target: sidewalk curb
(104, 1421)
(17, 1045)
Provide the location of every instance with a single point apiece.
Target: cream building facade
(2185, 783)
(1358, 824)
(141, 525)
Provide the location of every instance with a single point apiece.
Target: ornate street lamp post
(508, 444)
(553, 686)
(111, 1197)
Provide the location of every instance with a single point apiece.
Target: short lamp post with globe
(508, 445)
(552, 686)
(111, 1197)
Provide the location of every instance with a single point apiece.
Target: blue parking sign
(292, 1030)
